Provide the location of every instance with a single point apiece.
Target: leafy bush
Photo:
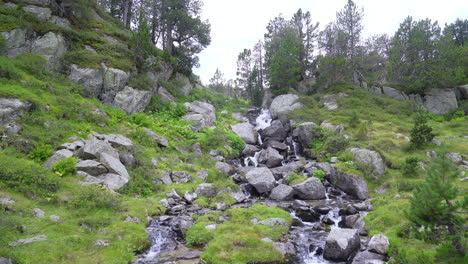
(65, 167)
(41, 152)
(91, 197)
(27, 177)
(335, 144)
(421, 133)
(410, 168)
(319, 174)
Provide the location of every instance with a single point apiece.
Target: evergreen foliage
(421, 133)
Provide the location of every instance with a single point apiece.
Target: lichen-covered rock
(440, 101)
(52, 47)
(17, 42)
(43, 13)
(132, 100)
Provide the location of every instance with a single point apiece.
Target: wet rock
(311, 189)
(379, 244)
(91, 167)
(366, 257)
(350, 184)
(132, 100)
(37, 212)
(369, 158)
(224, 167)
(328, 221)
(28, 240)
(58, 155)
(323, 210)
(270, 157)
(275, 130)
(307, 214)
(305, 133)
(341, 244)
(282, 171)
(277, 145)
(206, 189)
(249, 150)
(181, 176)
(282, 192)
(261, 178)
(160, 140)
(282, 105)
(246, 131)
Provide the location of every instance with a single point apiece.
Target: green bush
(65, 167)
(320, 174)
(41, 152)
(335, 144)
(421, 133)
(8, 70)
(410, 168)
(91, 197)
(27, 177)
(354, 120)
(404, 185)
(32, 64)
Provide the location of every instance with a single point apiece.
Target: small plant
(421, 133)
(65, 167)
(295, 178)
(410, 168)
(354, 120)
(41, 152)
(320, 174)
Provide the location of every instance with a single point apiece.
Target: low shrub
(335, 144)
(320, 174)
(295, 178)
(65, 167)
(91, 197)
(27, 177)
(354, 120)
(8, 70)
(410, 168)
(32, 64)
(41, 152)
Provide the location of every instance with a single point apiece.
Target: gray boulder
(185, 86)
(132, 100)
(113, 181)
(94, 148)
(89, 179)
(463, 91)
(249, 150)
(286, 249)
(16, 42)
(58, 155)
(261, 178)
(305, 133)
(114, 165)
(166, 178)
(91, 167)
(114, 81)
(394, 93)
(440, 101)
(12, 108)
(331, 127)
(206, 189)
(330, 102)
(270, 157)
(311, 189)
(181, 176)
(60, 21)
(119, 141)
(369, 158)
(282, 171)
(455, 157)
(43, 13)
(366, 257)
(277, 145)
(350, 184)
(341, 244)
(91, 78)
(225, 167)
(162, 141)
(200, 114)
(52, 47)
(379, 244)
(166, 96)
(282, 105)
(246, 131)
(37, 2)
(275, 130)
(282, 192)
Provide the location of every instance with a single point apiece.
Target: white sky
(239, 24)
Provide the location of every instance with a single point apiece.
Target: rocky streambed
(328, 215)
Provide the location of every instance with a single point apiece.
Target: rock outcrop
(132, 100)
(282, 105)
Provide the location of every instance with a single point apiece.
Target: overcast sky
(239, 24)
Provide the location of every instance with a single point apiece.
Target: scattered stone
(102, 243)
(224, 167)
(379, 244)
(221, 206)
(119, 141)
(286, 249)
(341, 244)
(455, 157)
(200, 114)
(173, 194)
(58, 155)
(37, 212)
(166, 178)
(202, 175)
(5, 261)
(331, 127)
(190, 197)
(190, 255)
(6, 201)
(206, 189)
(273, 222)
(330, 103)
(160, 140)
(28, 240)
(55, 218)
(181, 176)
(366, 257)
(131, 219)
(210, 227)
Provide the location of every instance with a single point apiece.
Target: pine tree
(433, 202)
(421, 132)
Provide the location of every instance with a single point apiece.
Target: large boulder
(132, 100)
(370, 159)
(305, 133)
(200, 114)
(282, 171)
(311, 189)
(12, 108)
(113, 181)
(366, 257)
(246, 131)
(463, 92)
(181, 176)
(114, 165)
(350, 184)
(166, 96)
(394, 93)
(52, 47)
(261, 178)
(224, 167)
(207, 190)
(184, 85)
(379, 244)
(282, 105)
(89, 77)
(440, 101)
(341, 244)
(119, 141)
(114, 81)
(275, 130)
(270, 157)
(94, 148)
(16, 42)
(282, 192)
(91, 167)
